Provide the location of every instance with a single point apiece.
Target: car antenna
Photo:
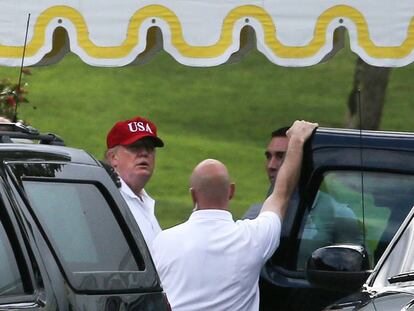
(361, 160)
(16, 92)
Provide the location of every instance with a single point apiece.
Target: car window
(336, 215)
(84, 234)
(10, 278)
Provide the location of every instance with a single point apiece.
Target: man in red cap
(131, 152)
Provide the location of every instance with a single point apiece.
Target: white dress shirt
(212, 263)
(142, 207)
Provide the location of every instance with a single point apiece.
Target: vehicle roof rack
(20, 133)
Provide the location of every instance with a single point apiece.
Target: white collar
(211, 214)
(128, 191)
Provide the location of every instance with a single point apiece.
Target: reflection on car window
(10, 279)
(336, 215)
(81, 227)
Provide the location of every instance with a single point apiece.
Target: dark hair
(280, 132)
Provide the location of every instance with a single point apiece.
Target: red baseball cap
(129, 131)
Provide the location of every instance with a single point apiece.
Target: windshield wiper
(402, 277)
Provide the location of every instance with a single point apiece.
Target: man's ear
(193, 196)
(232, 190)
(112, 157)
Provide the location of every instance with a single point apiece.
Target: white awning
(205, 33)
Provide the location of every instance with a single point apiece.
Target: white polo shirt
(212, 263)
(142, 209)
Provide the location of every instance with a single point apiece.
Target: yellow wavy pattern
(225, 40)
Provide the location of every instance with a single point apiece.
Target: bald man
(211, 262)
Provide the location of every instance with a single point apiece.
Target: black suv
(67, 239)
(356, 187)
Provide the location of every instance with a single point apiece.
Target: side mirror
(342, 268)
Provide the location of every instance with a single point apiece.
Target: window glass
(10, 279)
(336, 215)
(81, 227)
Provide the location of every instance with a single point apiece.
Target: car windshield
(399, 264)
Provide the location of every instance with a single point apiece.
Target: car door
(20, 289)
(345, 196)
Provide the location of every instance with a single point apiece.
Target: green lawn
(224, 112)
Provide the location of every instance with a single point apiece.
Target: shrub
(11, 95)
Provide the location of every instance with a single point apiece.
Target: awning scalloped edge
(335, 14)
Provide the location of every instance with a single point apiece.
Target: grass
(225, 112)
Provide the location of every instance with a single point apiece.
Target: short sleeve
(264, 231)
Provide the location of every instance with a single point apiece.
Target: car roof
(36, 152)
(336, 137)
(22, 142)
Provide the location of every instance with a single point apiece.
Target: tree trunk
(372, 82)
